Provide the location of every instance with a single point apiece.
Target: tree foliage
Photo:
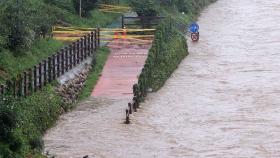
(22, 22)
(87, 6)
(144, 7)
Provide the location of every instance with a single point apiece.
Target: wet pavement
(120, 72)
(222, 101)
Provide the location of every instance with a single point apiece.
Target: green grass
(14, 65)
(97, 19)
(94, 74)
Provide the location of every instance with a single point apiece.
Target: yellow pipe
(115, 6)
(112, 12)
(71, 32)
(135, 36)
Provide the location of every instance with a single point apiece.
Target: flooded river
(223, 100)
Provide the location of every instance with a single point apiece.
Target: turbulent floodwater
(223, 101)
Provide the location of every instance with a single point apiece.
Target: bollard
(124, 33)
(124, 37)
(116, 38)
(127, 117)
(130, 108)
(116, 35)
(136, 102)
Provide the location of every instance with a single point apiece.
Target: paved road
(222, 101)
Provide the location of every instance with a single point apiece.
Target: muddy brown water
(222, 101)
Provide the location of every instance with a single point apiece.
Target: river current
(222, 101)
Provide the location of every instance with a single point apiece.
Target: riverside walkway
(120, 72)
(221, 102)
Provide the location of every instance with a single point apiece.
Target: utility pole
(80, 8)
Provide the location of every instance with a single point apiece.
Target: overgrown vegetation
(23, 121)
(167, 51)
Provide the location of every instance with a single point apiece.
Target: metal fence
(53, 67)
(143, 21)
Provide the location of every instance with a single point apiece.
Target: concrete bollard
(127, 121)
(130, 108)
(134, 107)
(136, 101)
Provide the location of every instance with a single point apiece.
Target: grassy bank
(94, 74)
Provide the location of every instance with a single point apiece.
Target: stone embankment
(71, 89)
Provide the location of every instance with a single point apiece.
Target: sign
(194, 27)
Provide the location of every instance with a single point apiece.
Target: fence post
(122, 21)
(50, 69)
(95, 40)
(71, 55)
(20, 85)
(82, 49)
(78, 52)
(86, 47)
(143, 22)
(67, 59)
(40, 76)
(74, 54)
(89, 44)
(35, 78)
(94, 51)
(98, 37)
(58, 64)
(54, 67)
(30, 81)
(25, 83)
(45, 73)
(62, 61)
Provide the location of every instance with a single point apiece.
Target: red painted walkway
(121, 70)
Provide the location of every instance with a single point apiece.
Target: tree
(17, 21)
(22, 21)
(144, 7)
(87, 6)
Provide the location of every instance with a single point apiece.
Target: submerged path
(223, 100)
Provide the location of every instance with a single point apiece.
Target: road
(222, 102)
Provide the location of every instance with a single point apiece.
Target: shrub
(144, 7)
(7, 118)
(166, 53)
(36, 143)
(23, 121)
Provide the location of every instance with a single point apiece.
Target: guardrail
(53, 67)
